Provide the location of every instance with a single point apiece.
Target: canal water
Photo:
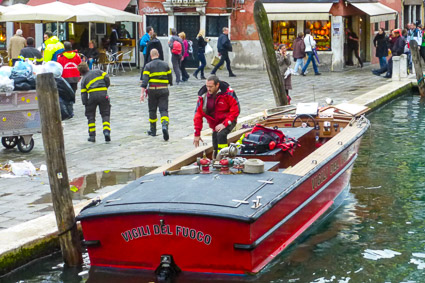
(377, 235)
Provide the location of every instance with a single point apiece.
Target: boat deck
(200, 194)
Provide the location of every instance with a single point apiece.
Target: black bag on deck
(259, 142)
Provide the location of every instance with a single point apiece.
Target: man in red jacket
(69, 59)
(218, 103)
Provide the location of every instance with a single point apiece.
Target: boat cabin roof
(228, 196)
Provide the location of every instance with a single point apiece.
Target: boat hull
(211, 244)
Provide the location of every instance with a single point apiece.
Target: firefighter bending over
(157, 74)
(94, 92)
(218, 103)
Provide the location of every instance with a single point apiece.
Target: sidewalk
(131, 147)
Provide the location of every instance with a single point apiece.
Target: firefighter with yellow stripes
(94, 92)
(156, 77)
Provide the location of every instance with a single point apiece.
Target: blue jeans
(90, 63)
(310, 55)
(382, 62)
(299, 63)
(201, 57)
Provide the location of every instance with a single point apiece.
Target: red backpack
(177, 47)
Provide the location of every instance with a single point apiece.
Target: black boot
(107, 136)
(152, 131)
(165, 134)
(202, 76)
(195, 75)
(92, 139)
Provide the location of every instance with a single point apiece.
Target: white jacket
(309, 42)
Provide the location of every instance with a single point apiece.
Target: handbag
(215, 60)
(208, 49)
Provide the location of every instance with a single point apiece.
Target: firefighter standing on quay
(157, 74)
(94, 92)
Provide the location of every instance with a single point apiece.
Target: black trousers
(100, 99)
(185, 75)
(158, 99)
(219, 139)
(224, 58)
(354, 49)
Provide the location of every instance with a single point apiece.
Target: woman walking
(154, 43)
(381, 44)
(299, 52)
(201, 54)
(185, 75)
(284, 62)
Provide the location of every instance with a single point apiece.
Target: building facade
(327, 19)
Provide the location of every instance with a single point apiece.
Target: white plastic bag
(23, 168)
(208, 49)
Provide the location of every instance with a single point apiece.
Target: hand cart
(19, 119)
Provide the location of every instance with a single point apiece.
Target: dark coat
(284, 63)
(201, 44)
(381, 43)
(223, 44)
(154, 44)
(299, 48)
(91, 53)
(398, 47)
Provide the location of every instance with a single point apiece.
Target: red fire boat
(229, 221)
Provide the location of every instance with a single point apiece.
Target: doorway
(190, 25)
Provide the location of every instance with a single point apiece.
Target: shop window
(284, 32)
(3, 36)
(321, 31)
(215, 25)
(376, 26)
(387, 25)
(159, 24)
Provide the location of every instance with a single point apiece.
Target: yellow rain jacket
(53, 48)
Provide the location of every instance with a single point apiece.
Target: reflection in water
(83, 187)
(384, 211)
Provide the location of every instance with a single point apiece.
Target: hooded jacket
(226, 109)
(53, 48)
(69, 61)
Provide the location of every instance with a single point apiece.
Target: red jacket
(70, 60)
(227, 108)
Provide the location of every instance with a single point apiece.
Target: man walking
(177, 51)
(218, 103)
(224, 46)
(16, 44)
(310, 44)
(353, 45)
(70, 60)
(144, 42)
(94, 93)
(31, 53)
(156, 77)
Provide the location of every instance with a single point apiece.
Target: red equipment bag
(262, 139)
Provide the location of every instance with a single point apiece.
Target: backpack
(262, 139)
(190, 47)
(177, 47)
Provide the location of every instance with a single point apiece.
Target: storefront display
(3, 36)
(321, 31)
(284, 32)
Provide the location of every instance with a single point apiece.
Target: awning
(116, 4)
(297, 11)
(377, 11)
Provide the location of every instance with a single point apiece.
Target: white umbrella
(119, 16)
(36, 14)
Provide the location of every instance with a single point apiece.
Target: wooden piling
(51, 128)
(269, 54)
(417, 64)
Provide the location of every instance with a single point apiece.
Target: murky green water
(378, 235)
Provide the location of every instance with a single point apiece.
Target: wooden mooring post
(51, 128)
(266, 41)
(417, 64)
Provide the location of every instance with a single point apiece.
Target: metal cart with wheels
(19, 119)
